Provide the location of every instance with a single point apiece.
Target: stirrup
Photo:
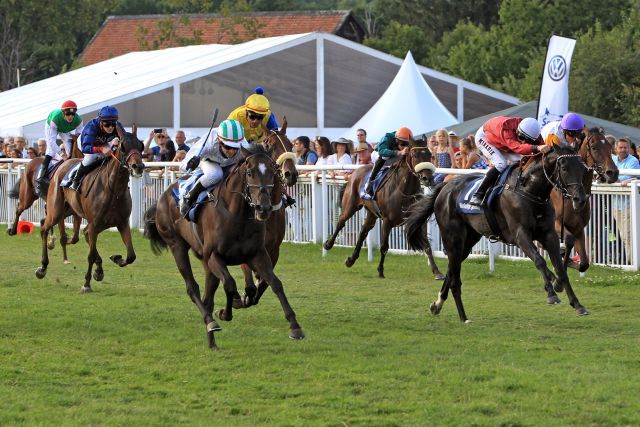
(75, 185)
(477, 201)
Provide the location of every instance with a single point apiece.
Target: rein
(596, 166)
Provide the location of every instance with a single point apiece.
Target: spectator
(432, 143)
(2, 153)
(361, 134)
(443, 154)
(471, 158)
(612, 141)
(324, 151)
(42, 147)
(21, 143)
(621, 209)
(633, 151)
(180, 139)
(363, 154)
(31, 153)
(304, 154)
(342, 148)
(14, 152)
(163, 150)
(454, 141)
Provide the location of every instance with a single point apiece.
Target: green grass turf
(134, 351)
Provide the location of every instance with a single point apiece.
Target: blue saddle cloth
(68, 177)
(184, 186)
(376, 183)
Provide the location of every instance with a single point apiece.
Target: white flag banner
(554, 91)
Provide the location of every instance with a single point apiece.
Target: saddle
(50, 171)
(71, 173)
(377, 183)
(471, 186)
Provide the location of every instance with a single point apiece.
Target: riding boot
(376, 169)
(488, 181)
(77, 179)
(190, 198)
(42, 175)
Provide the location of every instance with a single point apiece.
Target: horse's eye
(249, 173)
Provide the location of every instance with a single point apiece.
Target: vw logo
(557, 68)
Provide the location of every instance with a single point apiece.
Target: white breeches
(213, 173)
(498, 159)
(90, 159)
(53, 150)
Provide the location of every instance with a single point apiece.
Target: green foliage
(134, 352)
(400, 38)
(166, 35)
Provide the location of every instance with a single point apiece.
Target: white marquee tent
(322, 83)
(408, 101)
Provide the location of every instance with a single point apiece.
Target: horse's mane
(257, 149)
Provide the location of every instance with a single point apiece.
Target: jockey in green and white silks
(66, 123)
(213, 155)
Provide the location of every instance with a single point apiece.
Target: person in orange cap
(392, 144)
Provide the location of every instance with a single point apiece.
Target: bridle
(266, 188)
(558, 183)
(596, 166)
(284, 156)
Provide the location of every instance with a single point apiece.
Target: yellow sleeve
(552, 139)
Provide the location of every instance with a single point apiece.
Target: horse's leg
(25, 200)
(432, 262)
(219, 268)
(261, 263)
(436, 306)
(211, 285)
(367, 225)
(250, 289)
(41, 271)
(92, 238)
(551, 244)
(384, 248)
(63, 241)
(125, 234)
(76, 230)
(581, 249)
(347, 210)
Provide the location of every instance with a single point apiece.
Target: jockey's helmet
(529, 129)
(257, 102)
(231, 133)
(69, 105)
(404, 134)
(108, 112)
(572, 121)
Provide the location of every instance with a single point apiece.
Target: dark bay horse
(523, 213)
(24, 191)
(401, 187)
(230, 230)
(595, 152)
(280, 147)
(103, 200)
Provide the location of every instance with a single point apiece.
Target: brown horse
(281, 152)
(398, 191)
(595, 152)
(230, 230)
(103, 200)
(24, 191)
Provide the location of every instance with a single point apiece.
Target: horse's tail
(151, 231)
(14, 193)
(415, 227)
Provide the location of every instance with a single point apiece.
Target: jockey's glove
(193, 163)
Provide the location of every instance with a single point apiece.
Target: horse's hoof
(552, 300)
(222, 315)
(296, 334)
(327, 245)
(86, 290)
(349, 262)
(41, 272)
(581, 311)
(466, 322)
(434, 309)
(10, 232)
(51, 245)
(238, 303)
(380, 275)
(213, 326)
(74, 241)
(66, 261)
(98, 276)
(118, 260)
(439, 276)
(246, 300)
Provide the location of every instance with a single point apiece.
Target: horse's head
(130, 152)
(564, 169)
(419, 160)
(262, 188)
(282, 153)
(595, 150)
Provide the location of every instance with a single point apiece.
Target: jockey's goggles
(226, 147)
(253, 116)
(108, 123)
(70, 112)
(575, 133)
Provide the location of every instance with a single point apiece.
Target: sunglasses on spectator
(109, 123)
(255, 116)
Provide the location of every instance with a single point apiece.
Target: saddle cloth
(68, 177)
(53, 165)
(376, 182)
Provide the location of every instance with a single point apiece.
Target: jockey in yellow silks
(255, 116)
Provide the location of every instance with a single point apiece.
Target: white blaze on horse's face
(262, 168)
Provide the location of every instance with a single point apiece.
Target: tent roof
(408, 101)
(530, 109)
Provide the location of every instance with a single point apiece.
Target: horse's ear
(283, 129)
(121, 134)
(245, 153)
(424, 138)
(134, 130)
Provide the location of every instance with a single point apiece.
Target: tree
(397, 39)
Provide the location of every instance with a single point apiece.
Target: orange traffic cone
(25, 227)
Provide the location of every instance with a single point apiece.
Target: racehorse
(522, 212)
(399, 189)
(281, 152)
(103, 200)
(25, 193)
(595, 152)
(230, 230)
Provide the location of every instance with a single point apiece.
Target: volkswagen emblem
(557, 68)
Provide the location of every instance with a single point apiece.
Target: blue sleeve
(312, 157)
(88, 137)
(272, 123)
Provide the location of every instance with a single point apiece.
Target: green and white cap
(231, 133)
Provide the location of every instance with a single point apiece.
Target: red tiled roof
(124, 34)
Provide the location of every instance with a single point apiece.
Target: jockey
(255, 116)
(505, 138)
(98, 138)
(220, 151)
(392, 144)
(64, 122)
(568, 131)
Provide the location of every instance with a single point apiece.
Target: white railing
(613, 235)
